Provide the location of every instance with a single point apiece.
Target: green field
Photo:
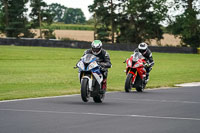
(40, 71)
(62, 26)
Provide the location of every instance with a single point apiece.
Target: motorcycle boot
(147, 78)
(104, 86)
(148, 69)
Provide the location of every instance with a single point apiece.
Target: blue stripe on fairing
(93, 60)
(96, 70)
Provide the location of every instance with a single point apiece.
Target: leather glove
(102, 64)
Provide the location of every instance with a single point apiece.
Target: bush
(61, 26)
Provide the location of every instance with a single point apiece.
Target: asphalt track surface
(173, 110)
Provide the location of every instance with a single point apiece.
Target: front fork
(82, 75)
(91, 77)
(133, 72)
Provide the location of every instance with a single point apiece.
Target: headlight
(92, 65)
(81, 65)
(129, 63)
(137, 65)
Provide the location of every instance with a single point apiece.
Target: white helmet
(96, 47)
(143, 47)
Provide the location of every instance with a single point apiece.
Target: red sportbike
(136, 72)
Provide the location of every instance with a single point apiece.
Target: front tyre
(128, 82)
(85, 90)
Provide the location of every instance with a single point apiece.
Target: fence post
(198, 50)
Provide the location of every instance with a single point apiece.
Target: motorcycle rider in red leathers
(145, 51)
(103, 60)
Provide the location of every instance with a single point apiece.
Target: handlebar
(146, 65)
(75, 67)
(125, 61)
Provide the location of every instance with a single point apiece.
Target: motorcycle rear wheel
(139, 89)
(85, 90)
(128, 82)
(99, 98)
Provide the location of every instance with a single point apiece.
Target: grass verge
(40, 71)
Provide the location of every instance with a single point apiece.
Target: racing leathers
(149, 59)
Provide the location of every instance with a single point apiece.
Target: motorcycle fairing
(88, 68)
(129, 62)
(134, 65)
(98, 77)
(141, 72)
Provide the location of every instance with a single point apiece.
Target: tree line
(15, 22)
(116, 21)
(135, 21)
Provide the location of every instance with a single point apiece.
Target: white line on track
(152, 100)
(26, 99)
(38, 98)
(102, 114)
(188, 84)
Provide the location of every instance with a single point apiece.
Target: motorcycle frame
(93, 74)
(130, 68)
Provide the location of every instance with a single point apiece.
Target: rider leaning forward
(145, 51)
(103, 59)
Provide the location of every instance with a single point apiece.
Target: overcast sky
(83, 4)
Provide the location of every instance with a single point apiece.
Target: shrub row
(70, 27)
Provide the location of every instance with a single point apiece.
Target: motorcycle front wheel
(128, 82)
(85, 90)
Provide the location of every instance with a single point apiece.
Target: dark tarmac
(172, 110)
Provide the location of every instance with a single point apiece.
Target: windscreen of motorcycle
(137, 56)
(88, 58)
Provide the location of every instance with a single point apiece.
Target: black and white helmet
(142, 48)
(96, 47)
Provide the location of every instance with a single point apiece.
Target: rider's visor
(96, 50)
(142, 51)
